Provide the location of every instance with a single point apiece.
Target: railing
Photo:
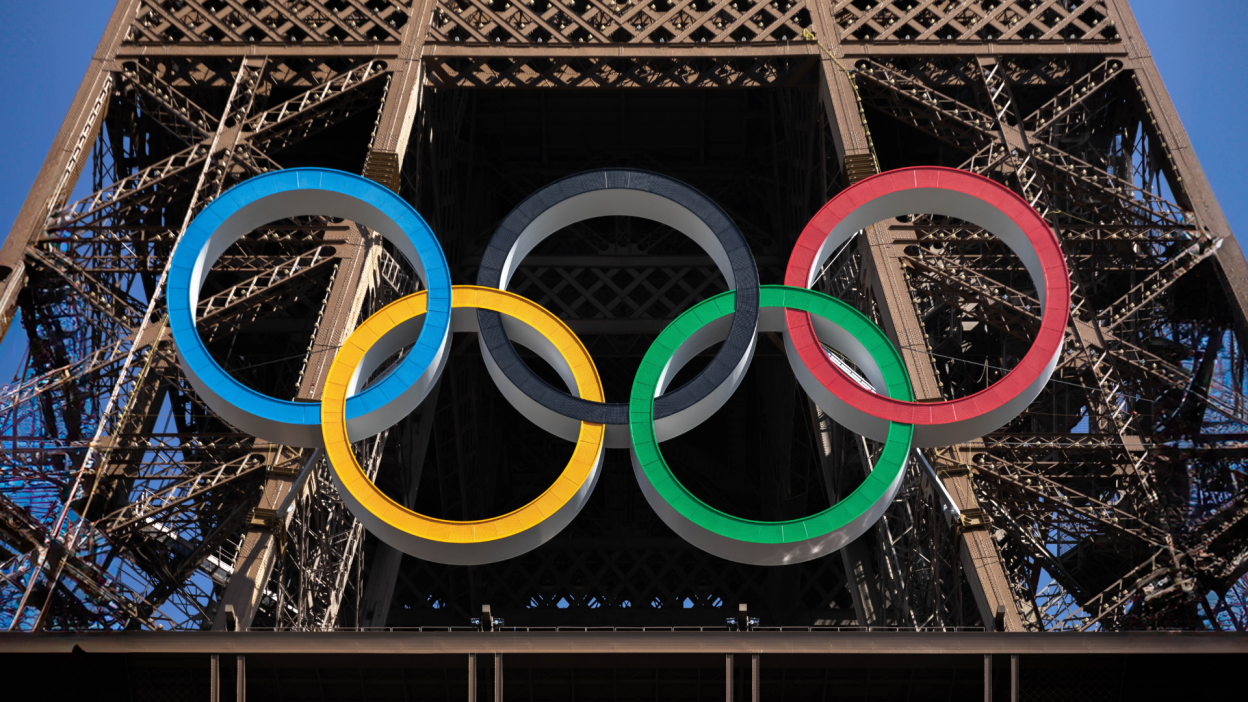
(645, 629)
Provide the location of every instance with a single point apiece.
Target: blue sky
(1199, 46)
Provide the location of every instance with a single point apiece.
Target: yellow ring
(466, 542)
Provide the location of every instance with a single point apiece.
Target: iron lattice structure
(1117, 501)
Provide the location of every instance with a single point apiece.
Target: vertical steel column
(398, 114)
(850, 139)
(498, 677)
(472, 677)
(214, 678)
(728, 677)
(754, 677)
(987, 677)
(240, 691)
(1014, 677)
(984, 570)
(383, 164)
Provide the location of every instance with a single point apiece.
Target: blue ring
(297, 192)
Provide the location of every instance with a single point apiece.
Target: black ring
(730, 354)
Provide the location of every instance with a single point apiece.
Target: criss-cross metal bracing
(1117, 501)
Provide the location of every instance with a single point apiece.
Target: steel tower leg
(982, 566)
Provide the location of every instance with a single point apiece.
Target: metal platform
(1117, 502)
(637, 665)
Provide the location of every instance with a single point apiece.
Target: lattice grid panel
(747, 72)
(973, 20)
(609, 22)
(269, 21)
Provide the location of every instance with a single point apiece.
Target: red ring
(1039, 359)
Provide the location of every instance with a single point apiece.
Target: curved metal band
(745, 540)
(954, 193)
(289, 193)
(640, 194)
(440, 540)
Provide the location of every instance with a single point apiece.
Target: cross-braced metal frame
(1118, 500)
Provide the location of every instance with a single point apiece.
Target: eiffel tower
(1117, 502)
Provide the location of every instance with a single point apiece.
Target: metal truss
(1059, 21)
(606, 22)
(1053, 518)
(243, 23)
(605, 72)
(1117, 501)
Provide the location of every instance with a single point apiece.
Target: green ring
(740, 539)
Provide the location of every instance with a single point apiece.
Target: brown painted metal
(64, 161)
(987, 677)
(498, 677)
(753, 644)
(977, 552)
(214, 680)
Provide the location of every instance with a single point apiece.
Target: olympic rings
(745, 540)
(883, 409)
(954, 193)
(289, 193)
(620, 192)
(440, 540)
